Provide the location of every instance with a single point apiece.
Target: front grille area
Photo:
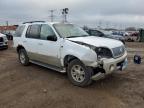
(118, 51)
(1, 39)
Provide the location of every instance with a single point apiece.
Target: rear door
(31, 41)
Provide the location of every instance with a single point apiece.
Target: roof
(44, 22)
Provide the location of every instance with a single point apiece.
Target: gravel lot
(37, 87)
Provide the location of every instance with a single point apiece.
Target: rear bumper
(112, 65)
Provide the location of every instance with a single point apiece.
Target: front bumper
(3, 45)
(111, 65)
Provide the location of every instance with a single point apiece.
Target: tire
(86, 73)
(23, 57)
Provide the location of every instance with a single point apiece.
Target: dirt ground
(37, 87)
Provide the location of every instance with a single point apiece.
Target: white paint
(65, 46)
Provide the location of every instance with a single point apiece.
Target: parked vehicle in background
(3, 41)
(67, 48)
(9, 34)
(119, 33)
(105, 34)
(132, 36)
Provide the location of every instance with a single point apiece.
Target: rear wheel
(79, 74)
(23, 57)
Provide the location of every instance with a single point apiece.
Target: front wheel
(23, 57)
(79, 74)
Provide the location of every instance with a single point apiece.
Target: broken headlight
(103, 53)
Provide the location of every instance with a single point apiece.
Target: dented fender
(82, 52)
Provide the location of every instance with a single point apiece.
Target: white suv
(67, 48)
(3, 41)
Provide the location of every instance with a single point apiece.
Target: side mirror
(101, 35)
(52, 38)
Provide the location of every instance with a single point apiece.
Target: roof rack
(33, 22)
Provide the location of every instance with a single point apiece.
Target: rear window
(33, 31)
(19, 31)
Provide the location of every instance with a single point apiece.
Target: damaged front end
(108, 60)
(108, 66)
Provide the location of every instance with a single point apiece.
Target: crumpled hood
(98, 41)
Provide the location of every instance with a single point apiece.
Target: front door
(49, 46)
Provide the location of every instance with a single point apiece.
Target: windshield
(70, 30)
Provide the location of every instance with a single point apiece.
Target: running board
(48, 66)
(98, 76)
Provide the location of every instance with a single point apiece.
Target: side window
(46, 31)
(19, 31)
(28, 32)
(33, 31)
(101, 34)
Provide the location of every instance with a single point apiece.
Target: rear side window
(33, 31)
(19, 31)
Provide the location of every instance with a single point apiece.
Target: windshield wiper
(76, 36)
(71, 36)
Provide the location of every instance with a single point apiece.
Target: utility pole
(52, 15)
(7, 23)
(64, 13)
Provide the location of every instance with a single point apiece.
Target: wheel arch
(19, 47)
(68, 59)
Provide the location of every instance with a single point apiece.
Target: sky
(93, 13)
